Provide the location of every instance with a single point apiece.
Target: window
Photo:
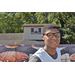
(32, 30)
(35, 30)
(39, 30)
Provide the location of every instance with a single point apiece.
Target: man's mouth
(54, 42)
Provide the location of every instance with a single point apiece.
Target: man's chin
(53, 47)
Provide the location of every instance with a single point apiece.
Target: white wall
(29, 36)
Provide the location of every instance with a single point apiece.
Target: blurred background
(12, 32)
(11, 22)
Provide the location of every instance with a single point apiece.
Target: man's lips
(54, 42)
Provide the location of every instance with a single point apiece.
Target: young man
(50, 52)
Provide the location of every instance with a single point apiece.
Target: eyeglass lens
(53, 34)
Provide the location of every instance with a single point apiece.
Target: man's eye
(57, 34)
(49, 34)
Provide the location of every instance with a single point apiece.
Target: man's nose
(54, 37)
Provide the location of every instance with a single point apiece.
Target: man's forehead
(52, 30)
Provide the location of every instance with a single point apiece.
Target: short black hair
(49, 26)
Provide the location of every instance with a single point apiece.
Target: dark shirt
(35, 59)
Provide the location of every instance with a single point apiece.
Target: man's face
(51, 38)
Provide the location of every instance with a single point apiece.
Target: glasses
(50, 35)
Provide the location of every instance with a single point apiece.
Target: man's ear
(42, 37)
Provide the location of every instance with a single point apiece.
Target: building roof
(34, 25)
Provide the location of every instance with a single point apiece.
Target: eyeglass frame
(52, 35)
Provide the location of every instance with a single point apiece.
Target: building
(33, 31)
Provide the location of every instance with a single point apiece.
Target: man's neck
(50, 50)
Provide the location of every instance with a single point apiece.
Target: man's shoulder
(34, 59)
(35, 56)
